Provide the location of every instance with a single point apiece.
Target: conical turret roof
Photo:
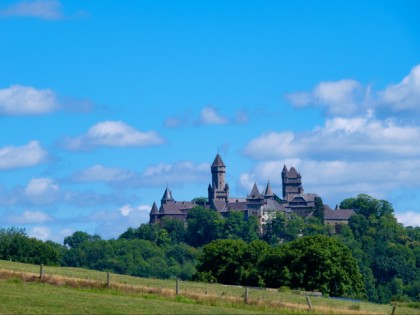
(218, 161)
(155, 209)
(284, 169)
(292, 172)
(167, 195)
(255, 193)
(268, 191)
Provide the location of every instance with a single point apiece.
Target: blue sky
(103, 104)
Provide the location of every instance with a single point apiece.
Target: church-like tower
(218, 190)
(292, 182)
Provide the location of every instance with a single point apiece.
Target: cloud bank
(113, 134)
(24, 156)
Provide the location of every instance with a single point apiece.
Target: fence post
(308, 300)
(246, 295)
(177, 286)
(41, 272)
(108, 279)
(393, 309)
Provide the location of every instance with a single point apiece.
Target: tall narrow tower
(218, 190)
(292, 182)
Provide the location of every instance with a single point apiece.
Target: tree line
(373, 257)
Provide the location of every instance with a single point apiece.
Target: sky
(104, 104)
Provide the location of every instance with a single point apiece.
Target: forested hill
(373, 257)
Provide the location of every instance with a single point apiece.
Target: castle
(263, 205)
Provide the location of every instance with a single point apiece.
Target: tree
(175, 228)
(367, 205)
(17, 246)
(203, 226)
(232, 262)
(78, 238)
(315, 263)
(283, 228)
(236, 226)
(319, 209)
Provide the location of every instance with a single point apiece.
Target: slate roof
(218, 161)
(271, 204)
(155, 209)
(167, 195)
(292, 173)
(338, 214)
(176, 208)
(268, 191)
(255, 193)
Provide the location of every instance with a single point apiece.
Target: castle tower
(167, 197)
(292, 182)
(154, 213)
(268, 192)
(218, 190)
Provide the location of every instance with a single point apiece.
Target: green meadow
(75, 290)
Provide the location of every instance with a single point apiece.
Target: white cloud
(116, 134)
(349, 97)
(210, 116)
(161, 174)
(127, 209)
(28, 217)
(40, 232)
(111, 224)
(409, 218)
(404, 95)
(339, 97)
(24, 100)
(42, 191)
(358, 138)
(339, 179)
(24, 156)
(42, 9)
(99, 173)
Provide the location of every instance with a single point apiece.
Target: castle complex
(263, 205)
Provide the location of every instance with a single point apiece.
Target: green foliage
(367, 205)
(232, 262)
(314, 263)
(319, 209)
(283, 228)
(203, 226)
(15, 245)
(79, 238)
(137, 257)
(236, 226)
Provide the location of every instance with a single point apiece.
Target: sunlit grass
(195, 294)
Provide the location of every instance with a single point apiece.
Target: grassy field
(75, 290)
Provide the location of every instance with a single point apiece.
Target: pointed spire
(167, 195)
(255, 192)
(293, 173)
(268, 191)
(154, 209)
(218, 161)
(284, 169)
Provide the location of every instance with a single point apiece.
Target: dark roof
(219, 205)
(255, 193)
(218, 161)
(176, 207)
(284, 169)
(292, 173)
(236, 206)
(268, 191)
(338, 214)
(167, 195)
(154, 209)
(271, 204)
